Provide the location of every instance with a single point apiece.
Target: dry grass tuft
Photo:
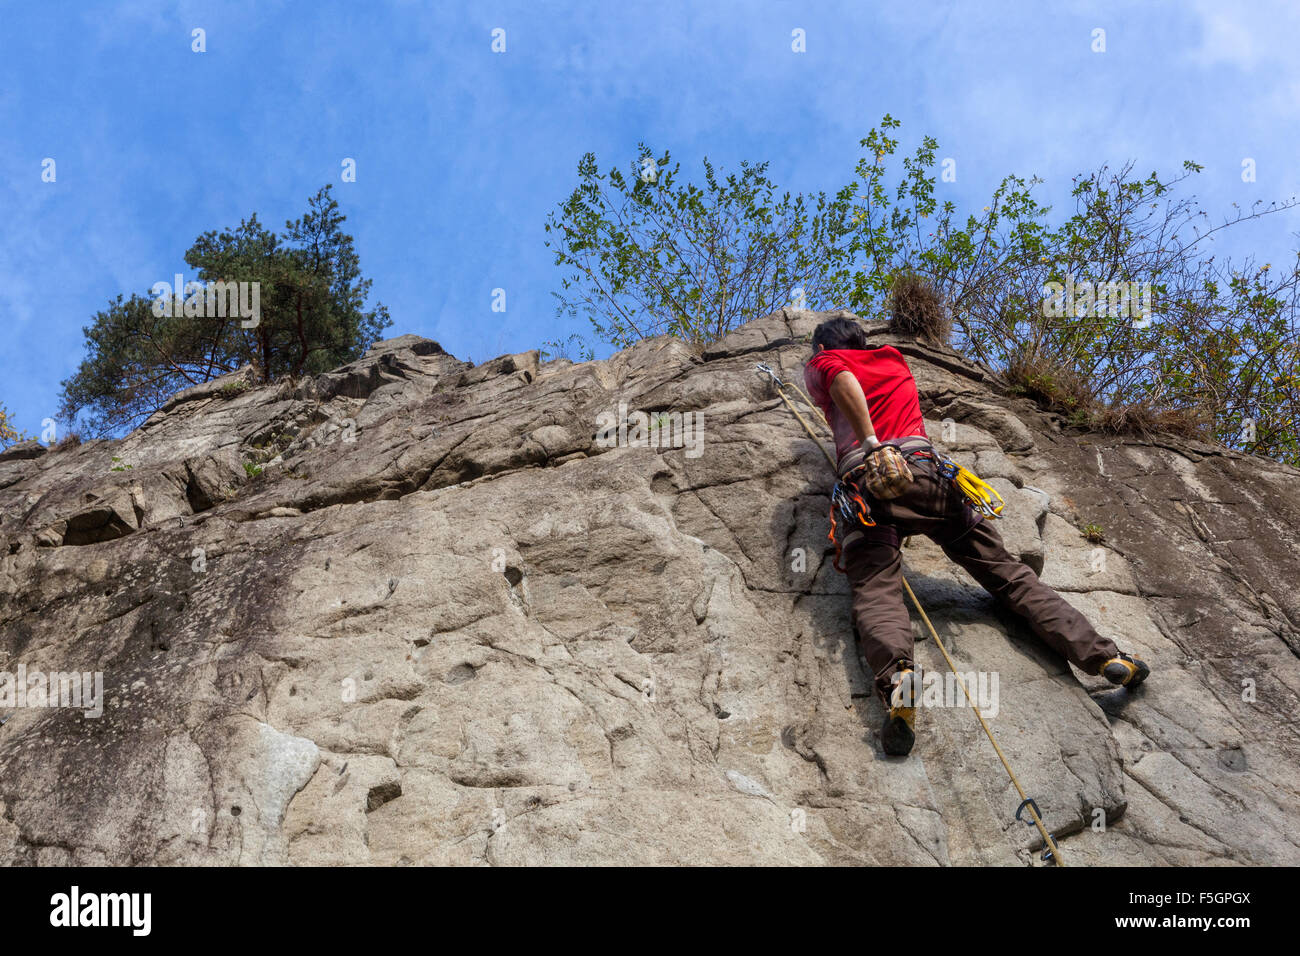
(1070, 394)
(1147, 421)
(1055, 389)
(917, 309)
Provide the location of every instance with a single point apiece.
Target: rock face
(414, 611)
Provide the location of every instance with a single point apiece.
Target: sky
(461, 152)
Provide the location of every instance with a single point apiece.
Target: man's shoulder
(890, 354)
(885, 349)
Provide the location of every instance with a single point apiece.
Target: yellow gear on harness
(979, 492)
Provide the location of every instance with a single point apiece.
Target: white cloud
(1249, 37)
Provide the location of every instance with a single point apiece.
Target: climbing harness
(1050, 852)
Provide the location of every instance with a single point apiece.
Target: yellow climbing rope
(1025, 803)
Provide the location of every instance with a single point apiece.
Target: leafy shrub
(1206, 348)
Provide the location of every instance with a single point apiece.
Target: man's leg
(874, 570)
(1015, 585)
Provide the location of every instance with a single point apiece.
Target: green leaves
(8, 434)
(312, 317)
(644, 256)
(994, 269)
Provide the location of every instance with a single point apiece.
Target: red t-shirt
(892, 398)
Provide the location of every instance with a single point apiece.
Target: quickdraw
(977, 491)
(853, 508)
(1032, 805)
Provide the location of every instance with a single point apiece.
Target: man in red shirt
(870, 399)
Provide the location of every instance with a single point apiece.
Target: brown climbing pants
(932, 506)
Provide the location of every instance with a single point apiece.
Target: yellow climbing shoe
(898, 734)
(1125, 671)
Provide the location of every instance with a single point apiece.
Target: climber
(871, 403)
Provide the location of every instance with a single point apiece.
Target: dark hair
(840, 333)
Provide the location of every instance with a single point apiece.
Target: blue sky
(461, 152)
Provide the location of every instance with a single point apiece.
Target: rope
(1026, 803)
(780, 390)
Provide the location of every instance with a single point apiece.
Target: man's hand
(857, 456)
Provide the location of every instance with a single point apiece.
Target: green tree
(1216, 356)
(8, 434)
(1216, 353)
(647, 255)
(312, 317)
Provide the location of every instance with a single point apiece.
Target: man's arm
(846, 392)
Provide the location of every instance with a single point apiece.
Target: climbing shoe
(1125, 671)
(898, 735)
